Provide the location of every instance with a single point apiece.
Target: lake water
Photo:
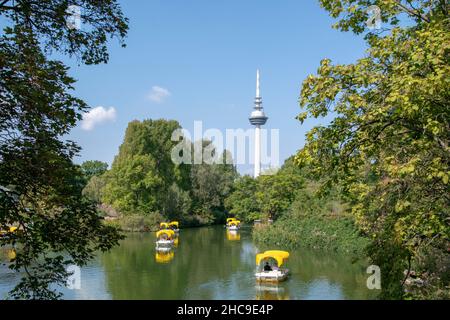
(208, 263)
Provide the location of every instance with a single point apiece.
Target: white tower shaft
(257, 170)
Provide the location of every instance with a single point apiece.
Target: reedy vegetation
(303, 217)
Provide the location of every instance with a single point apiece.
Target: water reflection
(164, 256)
(271, 291)
(248, 253)
(233, 235)
(7, 254)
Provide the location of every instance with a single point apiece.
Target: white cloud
(158, 94)
(96, 116)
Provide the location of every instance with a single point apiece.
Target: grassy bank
(313, 223)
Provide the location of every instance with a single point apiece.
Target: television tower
(258, 119)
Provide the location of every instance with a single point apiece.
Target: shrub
(138, 223)
(314, 222)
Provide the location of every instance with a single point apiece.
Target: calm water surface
(208, 263)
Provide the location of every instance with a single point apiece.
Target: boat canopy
(279, 256)
(164, 225)
(174, 224)
(231, 219)
(234, 223)
(168, 233)
(10, 230)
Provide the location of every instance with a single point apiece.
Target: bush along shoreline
(316, 223)
(337, 234)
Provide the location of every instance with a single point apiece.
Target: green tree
(143, 171)
(388, 144)
(95, 188)
(144, 179)
(40, 190)
(242, 201)
(93, 168)
(268, 196)
(178, 203)
(276, 192)
(211, 184)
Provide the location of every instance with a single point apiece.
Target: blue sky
(205, 53)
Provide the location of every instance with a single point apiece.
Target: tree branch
(4, 7)
(412, 12)
(3, 3)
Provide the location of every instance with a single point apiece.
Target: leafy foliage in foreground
(40, 187)
(388, 145)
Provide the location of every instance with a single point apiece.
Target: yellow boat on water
(271, 266)
(230, 219)
(163, 226)
(174, 225)
(10, 230)
(165, 240)
(165, 234)
(234, 225)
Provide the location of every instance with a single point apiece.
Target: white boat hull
(272, 276)
(164, 243)
(163, 249)
(233, 228)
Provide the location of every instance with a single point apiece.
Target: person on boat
(267, 267)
